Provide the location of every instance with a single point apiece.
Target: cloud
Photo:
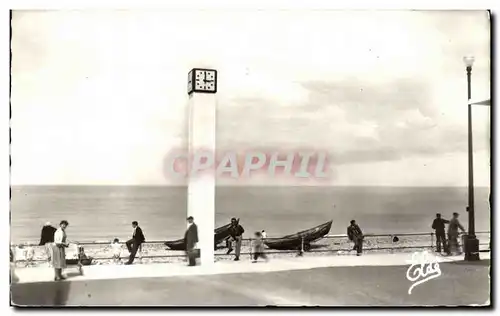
(355, 121)
(367, 87)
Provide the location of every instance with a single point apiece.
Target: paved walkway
(103, 272)
(461, 283)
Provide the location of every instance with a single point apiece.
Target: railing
(329, 244)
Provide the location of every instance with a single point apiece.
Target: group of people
(451, 245)
(133, 245)
(234, 239)
(55, 242)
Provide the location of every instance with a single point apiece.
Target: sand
(156, 252)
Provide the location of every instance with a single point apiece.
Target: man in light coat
(453, 233)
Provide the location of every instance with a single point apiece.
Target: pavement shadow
(39, 294)
(481, 263)
(72, 274)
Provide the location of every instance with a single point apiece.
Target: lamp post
(471, 243)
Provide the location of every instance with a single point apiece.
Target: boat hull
(293, 242)
(220, 234)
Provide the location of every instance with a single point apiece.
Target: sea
(101, 213)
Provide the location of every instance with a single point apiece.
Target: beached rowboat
(294, 241)
(221, 233)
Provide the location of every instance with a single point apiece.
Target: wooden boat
(221, 233)
(294, 241)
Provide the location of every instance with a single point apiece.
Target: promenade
(372, 279)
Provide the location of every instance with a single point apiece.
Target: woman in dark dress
(46, 239)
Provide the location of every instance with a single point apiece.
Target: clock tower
(202, 88)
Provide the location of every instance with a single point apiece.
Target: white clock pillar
(202, 86)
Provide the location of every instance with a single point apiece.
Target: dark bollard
(301, 249)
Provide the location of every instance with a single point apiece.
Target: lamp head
(469, 61)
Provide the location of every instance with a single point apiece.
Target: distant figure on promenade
(134, 243)
(453, 234)
(258, 247)
(438, 226)
(117, 250)
(236, 232)
(356, 235)
(264, 234)
(47, 238)
(29, 254)
(59, 250)
(13, 277)
(191, 239)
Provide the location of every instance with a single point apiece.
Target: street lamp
(471, 243)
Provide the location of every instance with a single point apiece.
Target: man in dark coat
(47, 238)
(191, 239)
(356, 235)
(236, 235)
(438, 226)
(134, 243)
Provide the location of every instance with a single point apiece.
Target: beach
(329, 246)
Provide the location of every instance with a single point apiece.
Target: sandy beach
(156, 252)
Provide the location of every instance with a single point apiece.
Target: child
(264, 234)
(117, 250)
(82, 256)
(258, 247)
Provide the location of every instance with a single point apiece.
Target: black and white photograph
(250, 158)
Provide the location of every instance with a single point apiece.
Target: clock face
(202, 80)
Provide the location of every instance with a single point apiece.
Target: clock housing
(202, 80)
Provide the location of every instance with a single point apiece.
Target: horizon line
(248, 185)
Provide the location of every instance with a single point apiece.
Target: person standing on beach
(117, 250)
(356, 235)
(13, 276)
(438, 226)
(59, 250)
(30, 254)
(258, 247)
(453, 234)
(236, 232)
(191, 239)
(47, 238)
(134, 243)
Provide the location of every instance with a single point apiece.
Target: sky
(99, 97)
